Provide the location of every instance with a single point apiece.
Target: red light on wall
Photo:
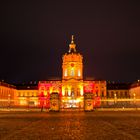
(97, 102)
(44, 86)
(89, 87)
(41, 95)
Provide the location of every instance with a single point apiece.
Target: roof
(7, 85)
(27, 86)
(135, 84)
(118, 86)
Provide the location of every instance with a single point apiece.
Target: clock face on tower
(72, 65)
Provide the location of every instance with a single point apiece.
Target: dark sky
(34, 36)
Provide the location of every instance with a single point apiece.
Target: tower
(72, 77)
(72, 66)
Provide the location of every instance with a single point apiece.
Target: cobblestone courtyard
(119, 125)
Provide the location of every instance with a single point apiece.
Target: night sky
(34, 36)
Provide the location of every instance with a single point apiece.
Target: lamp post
(115, 98)
(134, 95)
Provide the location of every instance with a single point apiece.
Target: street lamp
(115, 98)
(134, 95)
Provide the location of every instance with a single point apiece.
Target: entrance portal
(70, 103)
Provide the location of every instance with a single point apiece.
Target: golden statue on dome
(72, 46)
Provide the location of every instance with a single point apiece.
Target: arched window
(107, 94)
(72, 92)
(112, 94)
(117, 94)
(126, 95)
(121, 94)
(102, 93)
(72, 72)
(79, 73)
(66, 72)
(78, 92)
(66, 91)
(97, 93)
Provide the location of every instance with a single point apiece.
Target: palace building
(72, 88)
(7, 94)
(72, 91)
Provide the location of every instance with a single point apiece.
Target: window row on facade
(28, 93)
(6, 92)
(118, 94)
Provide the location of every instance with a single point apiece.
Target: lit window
(102, 94)
(65, 74)
(66, 92)
(78, 92)
(69, 92)
(79, 74)
(72, 72)
(22, 94)
(97, 93)
(72, 92)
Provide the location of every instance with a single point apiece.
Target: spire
(72, 39)
(72, 46)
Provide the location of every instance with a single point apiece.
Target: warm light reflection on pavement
(70, 125)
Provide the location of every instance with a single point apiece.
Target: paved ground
(101, 125)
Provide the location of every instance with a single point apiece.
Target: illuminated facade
(72, 78)
(72, 88)
(135, 90)
(70, 92)
(118, 90)
(7, 94)
(27, 95)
